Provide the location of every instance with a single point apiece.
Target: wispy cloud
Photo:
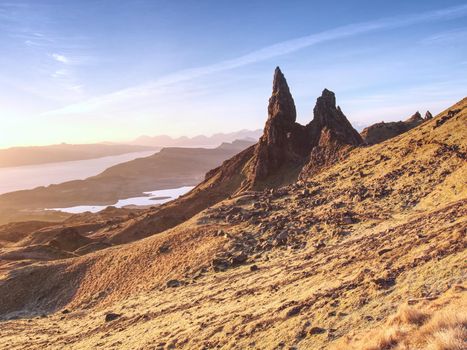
(60, 58)
(447, 37)
(55, 55)
(266, 53)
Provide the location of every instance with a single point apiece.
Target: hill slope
(381, 226)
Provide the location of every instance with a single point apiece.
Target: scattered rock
(317, 330)
(384, 282)
(281, 238)
(320, 245)
(254, 268)
(238, 258)
(165, 248)
(111, 316)
(445, 118)
(384, 251)
(220, 264)
(294, 311)
(173, 284)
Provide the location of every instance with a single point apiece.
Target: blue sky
(86, 71)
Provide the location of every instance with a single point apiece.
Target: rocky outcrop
(415, 118)
(428, 115)
(329, 117)
(284, 143)
(286, 147)
(380, 132)
(331, 134)
(286, 151)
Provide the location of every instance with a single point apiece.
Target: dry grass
(414, 328)
(394, 250)
(446, 330)
(408, 315)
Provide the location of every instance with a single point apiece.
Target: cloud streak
(263, 54)
(60, 58)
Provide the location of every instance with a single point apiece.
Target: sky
(103, 70)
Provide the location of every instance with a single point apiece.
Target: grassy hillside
(313, 265)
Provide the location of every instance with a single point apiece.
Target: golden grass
(415, 328)
(408, 315)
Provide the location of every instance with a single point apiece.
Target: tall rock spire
(284, 141)
(287, 148)
(281, 107)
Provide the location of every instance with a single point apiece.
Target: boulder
(173, 284)
(111, 316)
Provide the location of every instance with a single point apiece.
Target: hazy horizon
(94, 71)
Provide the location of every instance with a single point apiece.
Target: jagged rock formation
(284, 143)
(332, 135)
(415, 118)
(380, 132)
(287, 148)
(428, 115)
(285, 152)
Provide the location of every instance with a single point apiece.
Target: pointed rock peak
(327, 115)
(327, 98)
(281, 104)
(279, 82)
(428, 115)
(416, 117)
(282, 138)
(325, 106)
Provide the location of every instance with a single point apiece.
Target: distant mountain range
(19, 156)
(34, 155)
(197, 141)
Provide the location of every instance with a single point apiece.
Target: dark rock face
(331, 134)
(281, 109)
(428, 115)
(380, 132)
(283, 141)
(111, 317)
(286, 147)
(329, 117)
(173, 284)
(415, 118)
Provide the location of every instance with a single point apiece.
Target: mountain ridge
(196, 141)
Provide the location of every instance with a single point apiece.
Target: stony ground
(305, 266)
